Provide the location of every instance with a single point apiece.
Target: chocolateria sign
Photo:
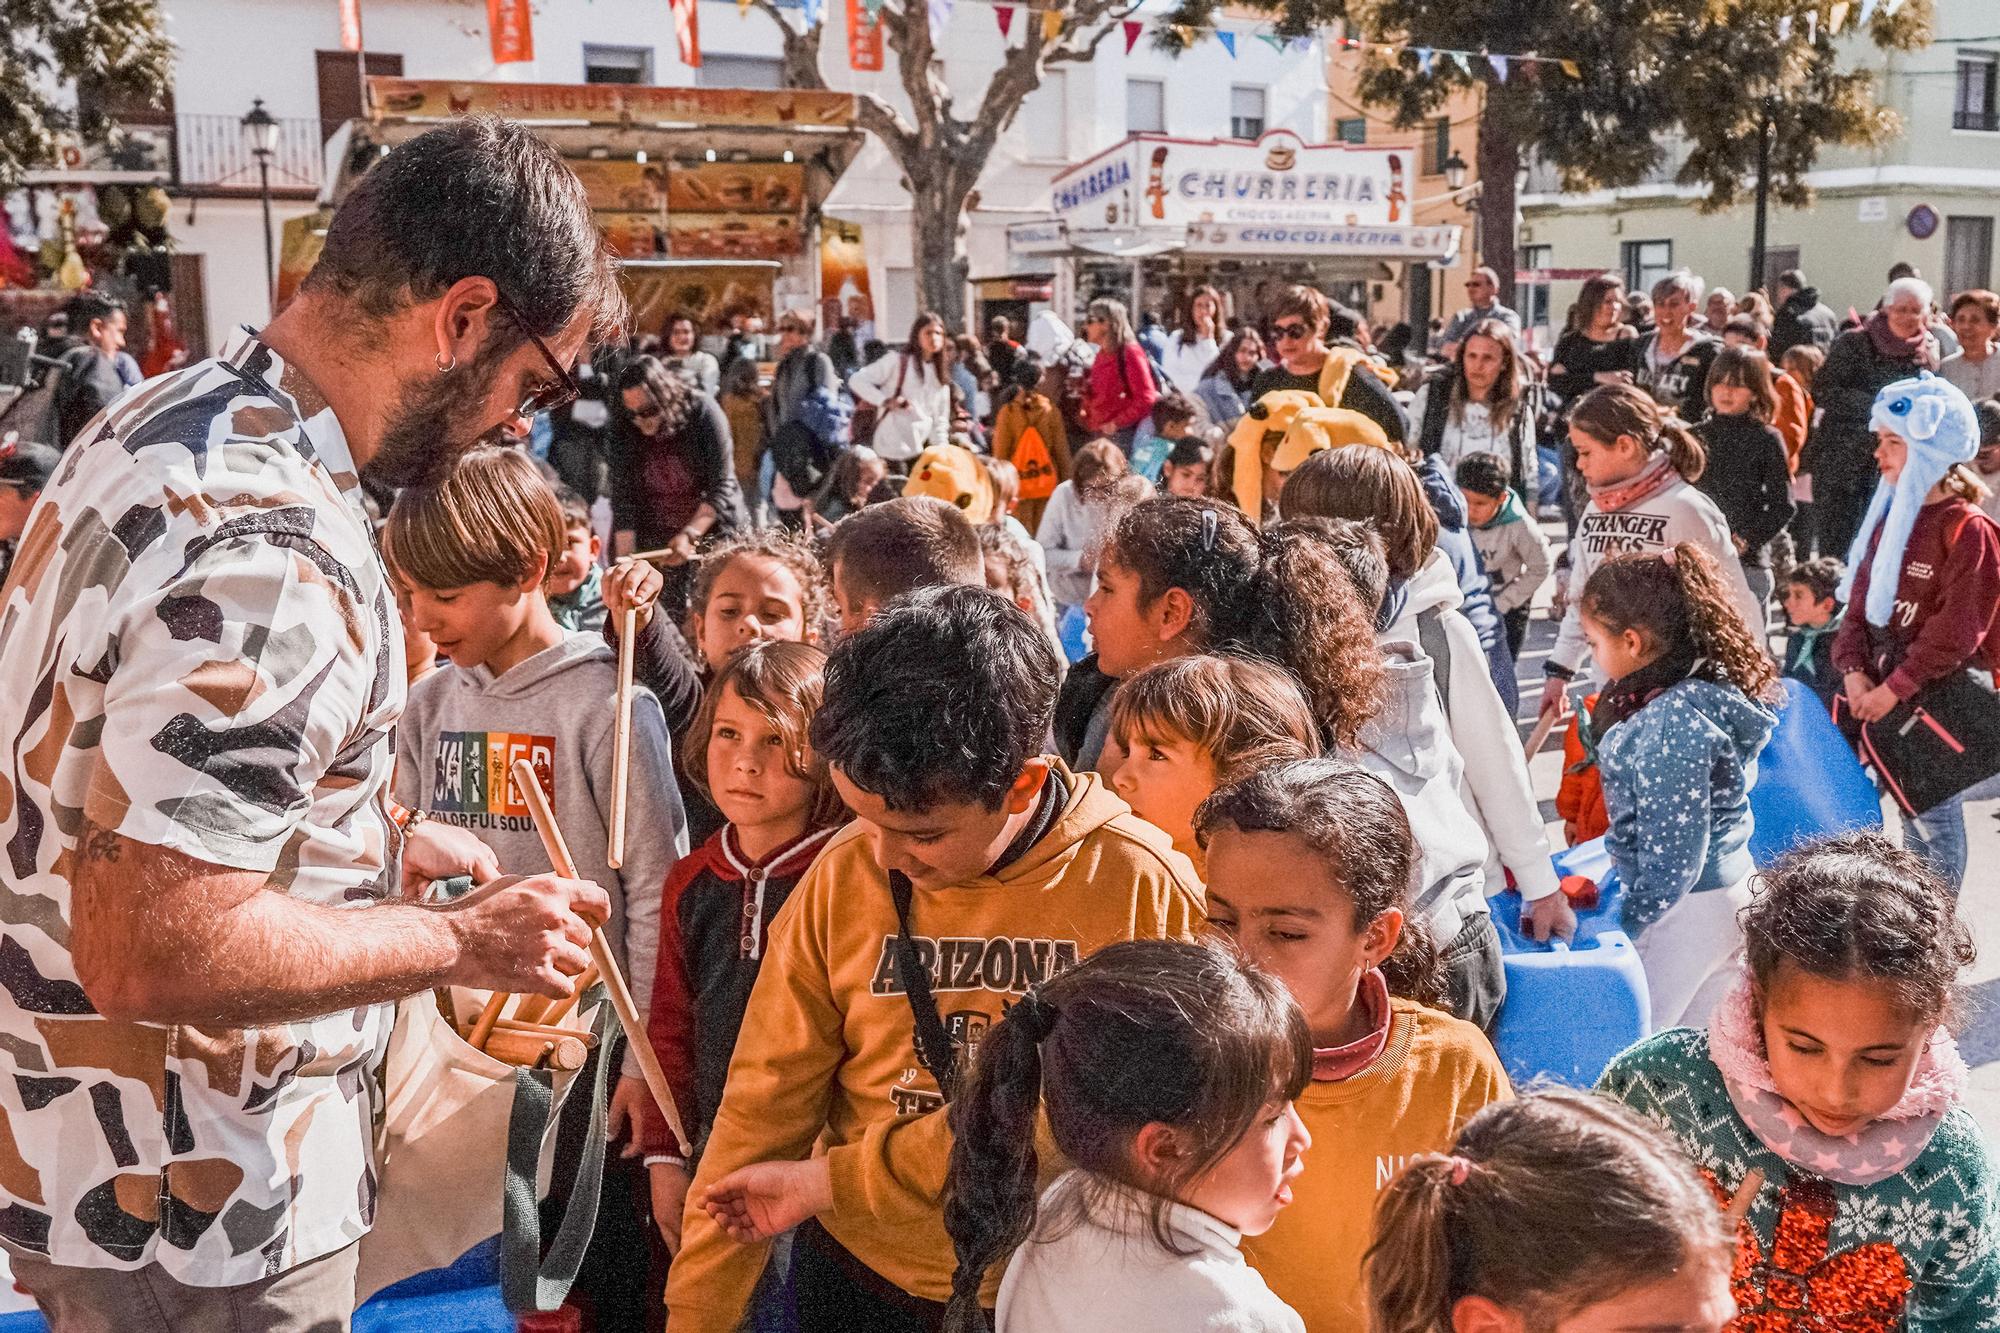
(1153, 181)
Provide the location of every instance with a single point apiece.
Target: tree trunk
(1499, 159)
(937, 238)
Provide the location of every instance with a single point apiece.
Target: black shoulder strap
(933, 1043)
(1437, 646)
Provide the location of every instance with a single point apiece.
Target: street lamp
(1454, 171)
(260, 131)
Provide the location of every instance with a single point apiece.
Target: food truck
(710, 197)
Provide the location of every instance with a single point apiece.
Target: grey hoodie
(463, 730)
(1408, 746)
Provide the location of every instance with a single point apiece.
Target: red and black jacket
(715, 914)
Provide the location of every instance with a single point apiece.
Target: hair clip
(1669, 555)
(1209, 523)
(1461, 1167)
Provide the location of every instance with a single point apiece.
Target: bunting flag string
(1499, 64)
(1052, 25)
(1133, 27)
(815, 12)
(939, 14)
(350, 25)
(1837, 16)
(1271, 39)
(511, 26)
(1228, 40)
(1004, 16)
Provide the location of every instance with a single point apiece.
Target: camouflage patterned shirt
(201, 653)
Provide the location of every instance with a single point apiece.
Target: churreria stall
(1152, 216)
(710, 197)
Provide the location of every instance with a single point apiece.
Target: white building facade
(289, 54)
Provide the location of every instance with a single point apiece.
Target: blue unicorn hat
(1935, 418)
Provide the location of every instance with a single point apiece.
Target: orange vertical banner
(350, 25)
(512, 26)
(864, 37)
(687, 30)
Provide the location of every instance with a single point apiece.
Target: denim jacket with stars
(1677, 777)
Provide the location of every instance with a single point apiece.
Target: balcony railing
(211, 152)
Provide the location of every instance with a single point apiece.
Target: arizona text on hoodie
(827, 1060)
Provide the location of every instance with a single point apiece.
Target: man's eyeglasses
(550, 394)
(1288, 332)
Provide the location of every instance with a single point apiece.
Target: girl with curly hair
(1677, 732)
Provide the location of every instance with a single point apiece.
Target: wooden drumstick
(660, 554)
(1543, 726)
(1746, 1194)
(600, 950)
(621, 739)
(482, 1028)
(559, 1010)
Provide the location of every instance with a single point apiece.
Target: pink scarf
(1890, 346)
(1878, 1150)
(1335, 1064)
(1648, 482)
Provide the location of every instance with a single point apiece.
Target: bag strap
(528, 1279)
(902, 369)
(934, 1048)
(1436, 644)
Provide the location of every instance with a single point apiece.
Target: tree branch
(801, 50)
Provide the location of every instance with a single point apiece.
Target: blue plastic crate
(1809, 784)
(1570, 1007)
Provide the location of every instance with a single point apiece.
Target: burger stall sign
(1152, 181)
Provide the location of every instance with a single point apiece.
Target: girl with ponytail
(1556, 1211)
(1640, 464)
(1691, 703)
(1167, 1072)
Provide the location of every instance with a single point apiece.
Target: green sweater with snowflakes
(1918, 1250)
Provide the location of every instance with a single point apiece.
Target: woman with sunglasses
(1224, 388)
(673, 472)
(1299, 319)
(1120, 390)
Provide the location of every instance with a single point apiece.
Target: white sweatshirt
(1186, 361)
(1496, 790)
(903, 434)
(1680, 513)
(1067, 535)
(1107, 1271)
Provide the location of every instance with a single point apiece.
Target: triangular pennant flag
(1889, 7)
(1228, 40)
(1812, 26)
(1499, 64)
(939, 13)
(1052, 24)
(1004, 15)
(1867, 11)
(742, 8)
(814, 10)
(1784, 28)
(1837, 16)
(1458, 58)
(1133, 27)
(1302, 43)
(1569, 67)
(1425, 59)
(1275, 42)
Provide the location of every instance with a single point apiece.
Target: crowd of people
(999, 983)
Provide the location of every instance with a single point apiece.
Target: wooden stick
(1543, 726)
(544, 1030)
(483, 1026)
(660, 554)
(621, 740)
(607, 964)
(1746, 1194)
(525, 1048)
(559, 1010)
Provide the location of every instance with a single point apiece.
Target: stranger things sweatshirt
(826, 1060)
(456, 747)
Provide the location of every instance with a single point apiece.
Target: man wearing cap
(1482, 289)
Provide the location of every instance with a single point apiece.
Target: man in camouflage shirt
(202, 923)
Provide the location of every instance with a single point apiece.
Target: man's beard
(425, 432)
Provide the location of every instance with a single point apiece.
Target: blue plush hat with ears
(1935, 418)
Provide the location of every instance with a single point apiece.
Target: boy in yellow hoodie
(976, 867)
